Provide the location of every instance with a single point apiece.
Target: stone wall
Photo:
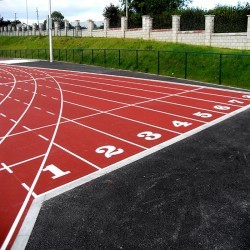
(205, 37)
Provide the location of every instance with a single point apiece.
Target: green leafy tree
(152, 7)
(114, 14)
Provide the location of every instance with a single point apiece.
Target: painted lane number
(109, 151)
(149, 136)
(219, 107)
(236, 101)
(203, 115)
(57, 172)
(246, 96)
(178, 124)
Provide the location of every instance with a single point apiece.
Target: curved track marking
(31, 189)
(25, 111)
(11, 88)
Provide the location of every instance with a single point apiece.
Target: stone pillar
(176, 26)
(34, 28)
(124, 25)
(209, 29)
(147, 25)
(106, 23)
(56, 27)
(106, 26)
(248, 32)
(40, 27)
(9, 29)
(77, 27)
(66, 26)
(90, 27)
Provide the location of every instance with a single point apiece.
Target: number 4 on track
(178, 124)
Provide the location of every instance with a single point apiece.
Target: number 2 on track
(109, 151)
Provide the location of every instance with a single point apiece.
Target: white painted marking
(3, 115)
(12, 121)
(57, 172)
(77, 156)
(109, 151)
(27, 188)
(26, 128)
(46, 139)
(6, 168)
(50, 113)
(149, 136)
(37, 108)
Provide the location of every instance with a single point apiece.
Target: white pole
(127, 8)
(50, 33)
(27, 15)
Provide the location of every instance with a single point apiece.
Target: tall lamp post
(27, 15)
(50, 34)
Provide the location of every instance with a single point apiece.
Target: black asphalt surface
(194, 194)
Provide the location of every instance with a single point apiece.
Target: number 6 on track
(109, 151)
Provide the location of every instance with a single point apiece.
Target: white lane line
(12, 88)
(227, 96)
(166, 113)
(77, 156)
(224, 103)
(120, 79)
(110, 91)
(17, 100)
(27, 188)
(43, 137)
(25, 111)
(27, 199)
(12, 121)
(21, 162)
(54, 98)
(26, 128)
(94, 97)
(37, 108)
(194, 107)
(110, 135)
(50, 113)
(3, 115)
(6, 168)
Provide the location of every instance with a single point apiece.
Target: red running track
(59, 127)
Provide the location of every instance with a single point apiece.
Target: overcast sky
(75, 10)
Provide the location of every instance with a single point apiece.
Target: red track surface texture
(59, 126)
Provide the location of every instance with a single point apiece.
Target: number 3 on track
(109, 151)
(149, 136)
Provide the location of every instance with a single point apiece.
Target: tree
(152, 7)
(113, 13)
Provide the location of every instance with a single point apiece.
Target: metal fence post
(158, 62)
(136, 59)
(104, 56)
(119, 57)
(185, 66)
(220, 69)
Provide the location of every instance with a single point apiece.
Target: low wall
(205, 37)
